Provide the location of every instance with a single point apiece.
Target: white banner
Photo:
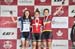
(60, 44)
(25, 2)
(8, 10)
(59, 2)
(60, 22)
(71, 11)
(8, 33)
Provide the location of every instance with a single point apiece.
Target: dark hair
(74, 16)
(24, 16)
(46, 9)
(37, 10)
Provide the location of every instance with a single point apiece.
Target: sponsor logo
(42, 0)
(8, 1)
(25, 1)
(60, 22)
(61, 12)
(8, 33)
(59, 45)
(11, 12)
(73, 11)
(5, 11)
(59, 33)
(58, 0)
(7, 44)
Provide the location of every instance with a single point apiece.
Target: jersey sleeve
(42, 21)
(50, 18)
(19, 19)
(19, 23)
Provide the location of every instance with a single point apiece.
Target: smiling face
(46, 12)
(26, 13)
(37, 14)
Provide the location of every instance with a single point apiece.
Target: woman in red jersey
(36, 30)
(47, 31)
